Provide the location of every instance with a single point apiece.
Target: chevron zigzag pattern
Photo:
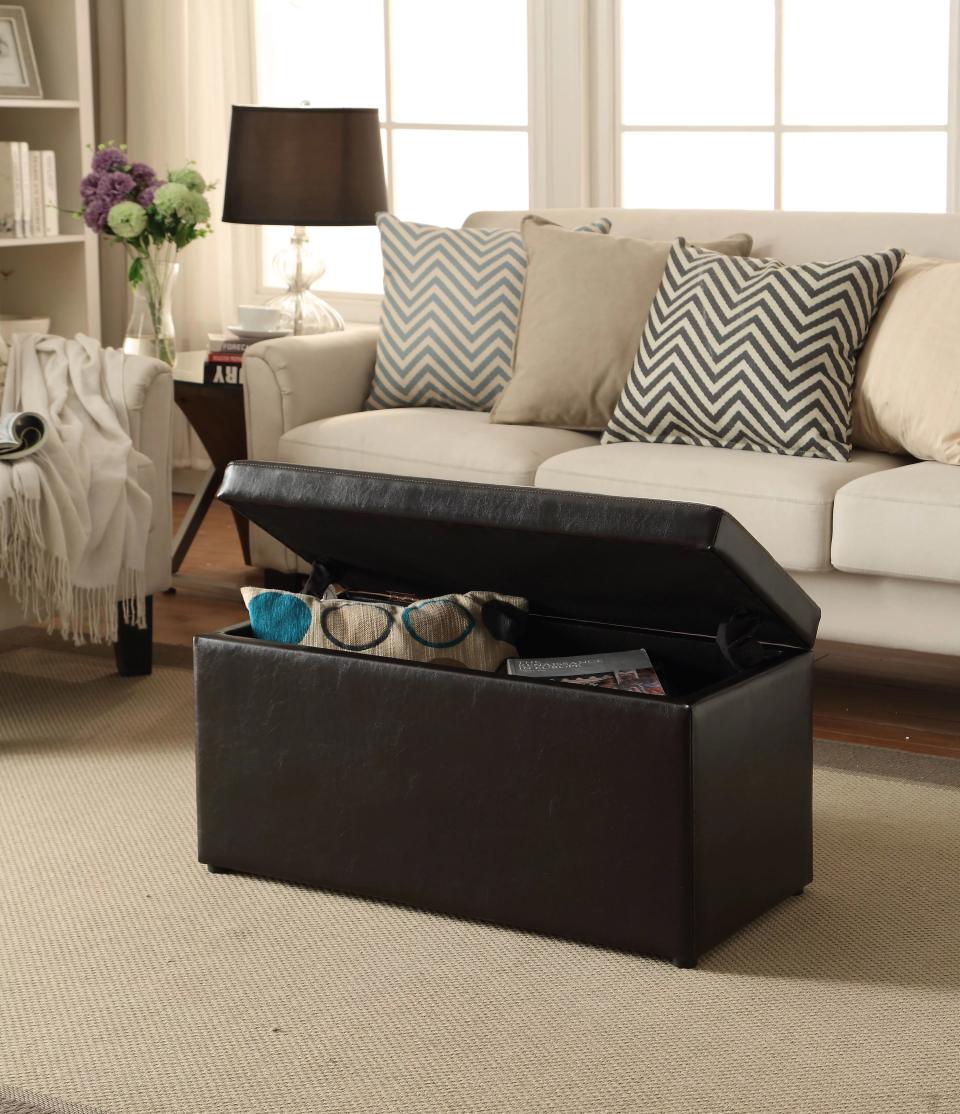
(742, 353)
(449, 316)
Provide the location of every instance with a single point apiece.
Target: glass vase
(151, 331)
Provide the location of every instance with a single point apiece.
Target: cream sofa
(876, 541)
(148, 392)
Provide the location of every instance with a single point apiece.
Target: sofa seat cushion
(429, 441)
(901, 523)
(786, 502)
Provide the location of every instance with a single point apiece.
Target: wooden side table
(217, 416)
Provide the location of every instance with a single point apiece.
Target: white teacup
(261, 319)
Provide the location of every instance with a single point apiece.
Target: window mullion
(559, 103)
(537, 95)
(953, 112)
(388, 99)
(778, 105)
(604, 132)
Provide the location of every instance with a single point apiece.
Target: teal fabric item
(448, 321)
(279, 617)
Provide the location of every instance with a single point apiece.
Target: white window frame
(607, 25)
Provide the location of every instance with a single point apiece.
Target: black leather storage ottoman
(654, 824)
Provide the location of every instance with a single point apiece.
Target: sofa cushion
(752, 353)
(907, 395)
(904, 522)
(585, 303)
(448, 320)
(785, 502)
(428, 441)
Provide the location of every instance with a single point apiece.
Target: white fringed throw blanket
(74, 518)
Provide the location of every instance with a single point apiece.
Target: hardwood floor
(888, 698)
(207, 595)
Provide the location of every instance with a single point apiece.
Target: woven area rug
(132, 982)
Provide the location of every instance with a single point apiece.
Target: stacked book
(224, 363)
(28, 192)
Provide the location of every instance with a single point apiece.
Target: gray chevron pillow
(448, 321)
(742, 353)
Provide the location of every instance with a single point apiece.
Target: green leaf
(135, 274)
(183, 235)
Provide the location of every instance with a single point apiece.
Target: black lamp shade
(307, 166)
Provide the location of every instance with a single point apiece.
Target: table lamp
(304, 166)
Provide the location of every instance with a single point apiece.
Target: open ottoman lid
(647, 563)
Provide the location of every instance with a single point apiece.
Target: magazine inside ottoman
(686, 664)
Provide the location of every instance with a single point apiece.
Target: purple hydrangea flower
(107, 159)
(144, 174)
(115, 186)
(89, 186)
(95, 214)
(145, 197)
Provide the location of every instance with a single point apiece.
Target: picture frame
(19, 76)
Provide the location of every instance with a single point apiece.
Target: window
(793, 104)
(487, 104)
(453, 104)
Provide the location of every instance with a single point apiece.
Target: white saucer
(257, 334)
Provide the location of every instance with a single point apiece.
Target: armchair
(148, 392)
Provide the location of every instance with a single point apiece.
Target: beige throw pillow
(585, 304)
(907, 391)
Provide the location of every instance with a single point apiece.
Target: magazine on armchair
(21, 433)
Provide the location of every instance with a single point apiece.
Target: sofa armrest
(148, 393)
(295, 380)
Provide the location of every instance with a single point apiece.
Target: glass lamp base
(316, 315)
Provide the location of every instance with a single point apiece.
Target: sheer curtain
(168, 72)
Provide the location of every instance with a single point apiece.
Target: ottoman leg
(684, 962)
(211, 869)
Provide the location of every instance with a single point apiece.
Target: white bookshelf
(56, 276)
